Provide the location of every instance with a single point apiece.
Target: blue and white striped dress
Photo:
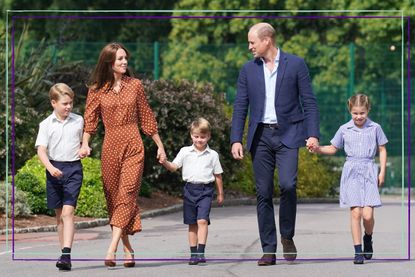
(359, 180)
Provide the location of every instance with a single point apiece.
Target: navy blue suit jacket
(295, 103)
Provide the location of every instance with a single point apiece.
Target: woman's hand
(161, 155)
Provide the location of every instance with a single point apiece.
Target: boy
(58, 143)
(201, 170)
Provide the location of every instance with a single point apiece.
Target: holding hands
(312, 145)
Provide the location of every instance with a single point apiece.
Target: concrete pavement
(322, 237)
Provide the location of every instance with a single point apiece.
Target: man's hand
(237, 151)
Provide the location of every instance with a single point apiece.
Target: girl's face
(121, 62)
(200, 140)
(359, 115)
(62, 107)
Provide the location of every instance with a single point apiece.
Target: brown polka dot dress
(122, 154)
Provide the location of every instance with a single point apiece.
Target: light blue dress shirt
(270, 115)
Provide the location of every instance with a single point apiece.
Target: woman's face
(121, 62)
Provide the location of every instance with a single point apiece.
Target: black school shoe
(194, 260)
(358, 259)
(64, 263)
(201, 258)
(367, 247)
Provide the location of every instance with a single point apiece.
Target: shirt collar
(350, 124)
(54, 117)
(207, 149)
(277, 58)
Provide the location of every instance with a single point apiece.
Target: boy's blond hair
(58, 90)
(200, 125)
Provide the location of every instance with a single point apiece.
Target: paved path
(322, 237)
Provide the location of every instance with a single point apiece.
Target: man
(283, 114)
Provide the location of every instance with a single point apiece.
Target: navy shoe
(358, 259)
(367, 247)
(201, 258)
(193, 259)
(64, 263)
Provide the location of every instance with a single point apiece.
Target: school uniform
(62, 140)
(359, 180)
(198, 169)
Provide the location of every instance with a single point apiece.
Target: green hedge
(317, 176)
(176, 104)
(31, 179)
(21, 206)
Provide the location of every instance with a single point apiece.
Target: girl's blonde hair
(58, 90)
(200, 125)
(358, 100)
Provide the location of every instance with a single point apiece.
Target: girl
(361, 139)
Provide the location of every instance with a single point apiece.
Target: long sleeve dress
(122, 156)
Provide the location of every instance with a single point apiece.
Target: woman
(120, 102)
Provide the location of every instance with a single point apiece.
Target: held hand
(55, 172)
(161, 155)
(220, 199)
(312, 144)
(84, 151)
(237, 151)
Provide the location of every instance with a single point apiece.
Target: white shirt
(270, 115)
(198, 167)
(62, 139)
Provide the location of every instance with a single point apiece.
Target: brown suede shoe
(267, 259)
(288, 249)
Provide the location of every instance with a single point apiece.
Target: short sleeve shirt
(359, 142)
(198, 167)
(62, 139)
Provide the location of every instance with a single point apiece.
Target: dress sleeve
(92, 112)
(380, 136)
(147, 121)
(338, 141)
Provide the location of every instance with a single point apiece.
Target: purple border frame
(212, 17)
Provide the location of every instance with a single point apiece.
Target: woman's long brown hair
(103, 72)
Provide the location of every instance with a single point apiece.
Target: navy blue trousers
(268, 153)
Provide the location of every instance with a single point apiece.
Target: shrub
(176, 104)
(21, 206)
(31, 178)
(316, 177)
(91, 200)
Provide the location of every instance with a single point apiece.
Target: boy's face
(359, 115)
(199, 140)
(62, 107)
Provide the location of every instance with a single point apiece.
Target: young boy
(201, 170)
(58, 143)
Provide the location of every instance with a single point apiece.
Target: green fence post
(350, 90)
(156, 72)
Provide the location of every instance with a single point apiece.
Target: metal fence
(382, 84)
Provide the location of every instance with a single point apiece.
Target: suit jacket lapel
(260, 79)
(282, 65)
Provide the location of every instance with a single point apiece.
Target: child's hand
(220, 198)
(55, 172)
(381, 179)
(84, 151)
(312, 144)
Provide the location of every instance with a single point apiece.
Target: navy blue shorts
(197, 202)
(64, 190)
